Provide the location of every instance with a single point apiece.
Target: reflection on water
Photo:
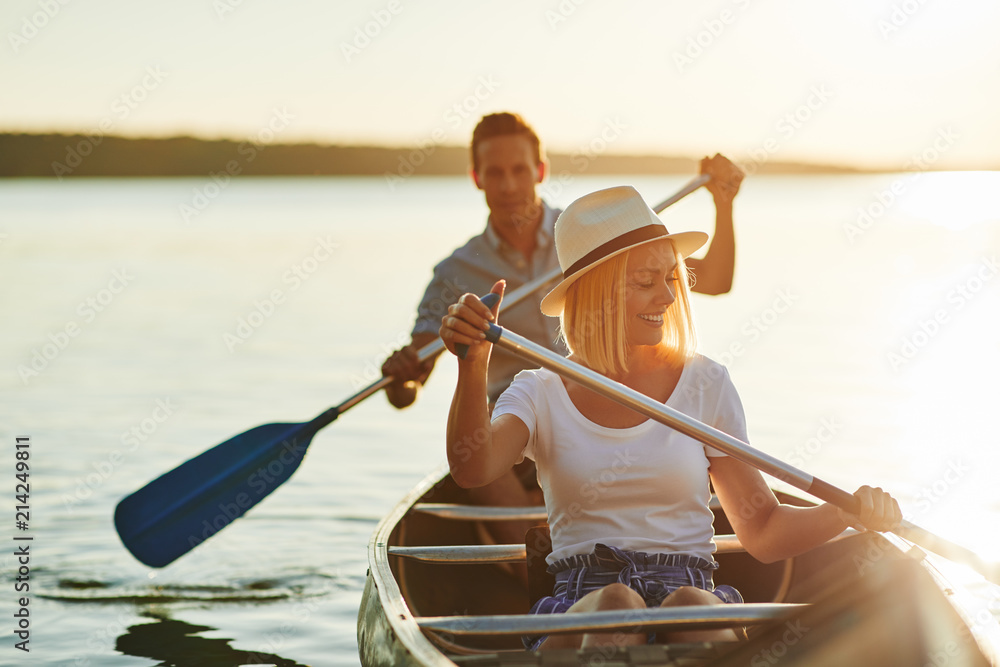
(173, 643)
(70, 590)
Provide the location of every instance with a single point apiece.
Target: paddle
(182, 508)
(724, 442)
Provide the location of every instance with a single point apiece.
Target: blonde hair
(593, 319)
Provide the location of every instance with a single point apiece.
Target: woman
(627, 498)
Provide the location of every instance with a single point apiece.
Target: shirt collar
(543, 237)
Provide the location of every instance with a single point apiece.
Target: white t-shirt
(644, 488)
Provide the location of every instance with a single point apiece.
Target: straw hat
(601, 225)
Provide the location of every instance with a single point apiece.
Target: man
(508, 164)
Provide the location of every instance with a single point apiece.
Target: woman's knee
(618, 596)
(689, 595)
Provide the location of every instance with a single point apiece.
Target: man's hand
(403, 366)
(407, 373)
(726, 178)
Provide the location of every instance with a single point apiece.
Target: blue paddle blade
(182, 508)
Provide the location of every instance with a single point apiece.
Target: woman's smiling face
(649, 290)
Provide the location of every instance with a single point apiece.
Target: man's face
(508, 175)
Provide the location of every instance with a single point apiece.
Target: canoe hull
(875, 601)
(378, 643)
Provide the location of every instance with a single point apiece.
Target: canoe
(437, 595)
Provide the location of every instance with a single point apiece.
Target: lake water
(147, 320)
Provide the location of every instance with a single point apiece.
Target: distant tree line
(66, 155)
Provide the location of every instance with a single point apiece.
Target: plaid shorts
(653, 576)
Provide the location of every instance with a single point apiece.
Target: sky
(889, 84)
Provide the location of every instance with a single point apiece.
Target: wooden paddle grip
(490, 300)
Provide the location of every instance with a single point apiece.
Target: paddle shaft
(724, 442)
(688, 188)
(436, 346)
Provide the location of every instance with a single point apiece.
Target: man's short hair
(499, 125)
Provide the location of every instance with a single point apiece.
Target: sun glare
(954, 200)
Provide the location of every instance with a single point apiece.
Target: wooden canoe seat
(463, 554)
(481, 512)
(511, 553)
(538, 545)
(459, 511)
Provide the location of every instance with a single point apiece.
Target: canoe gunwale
(385, 607)
(412, 646)
(698, 617)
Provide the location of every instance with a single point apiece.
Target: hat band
(627, 239)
